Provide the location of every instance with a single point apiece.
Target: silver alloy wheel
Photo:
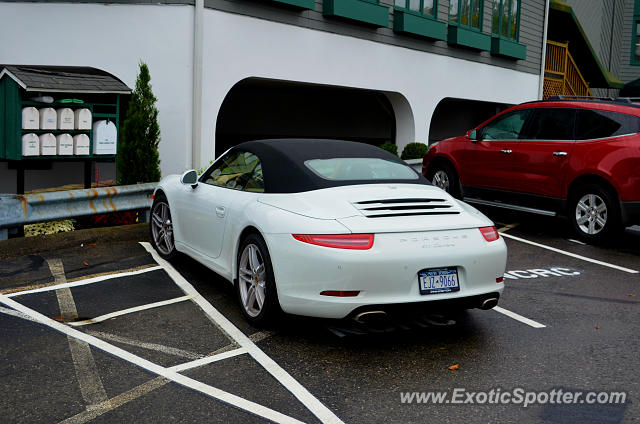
(162, 228)
(591, 214)
(441, 179)
(252, 280)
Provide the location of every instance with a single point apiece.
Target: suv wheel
(444, 176)
(594, 213)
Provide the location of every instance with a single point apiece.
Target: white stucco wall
(116, 37)
(238, 47)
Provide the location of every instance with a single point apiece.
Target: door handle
(507, 151)
(220, 211)
(559, 153)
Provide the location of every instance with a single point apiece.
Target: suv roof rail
(628, 101)
(570, 97)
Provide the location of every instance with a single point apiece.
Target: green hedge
(414, 151)
(390, 147)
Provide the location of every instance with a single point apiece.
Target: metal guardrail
(17, 210)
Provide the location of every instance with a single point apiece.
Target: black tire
(262, 282)
(161, 227)
(594, 212)
(444, 176)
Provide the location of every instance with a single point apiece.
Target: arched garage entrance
(259, 108)
(454, 117)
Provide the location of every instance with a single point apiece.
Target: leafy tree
(389, 147)
(414, 151)
(138, 160)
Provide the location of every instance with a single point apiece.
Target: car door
(205, 210)
(541, 157)
(488, 161)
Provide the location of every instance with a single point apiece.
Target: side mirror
(474, 135)
(190, 178)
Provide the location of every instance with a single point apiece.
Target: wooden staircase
(561, 74)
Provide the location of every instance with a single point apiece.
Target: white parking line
(131, 395)
(323, 413)
(208, 360)
(573, 255)
(518, 317)
(185, 381)
(16, 314)
(128, 311)
(150, 346)
(84, 282)
(577, 242)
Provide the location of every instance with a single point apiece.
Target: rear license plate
(441, 280)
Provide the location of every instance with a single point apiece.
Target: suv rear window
(550, 124)
(591, 124)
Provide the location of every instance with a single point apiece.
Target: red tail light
(490, 233)
(499, 279)
(340, 293)
(338, 241)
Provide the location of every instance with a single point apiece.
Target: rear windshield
(360, 169)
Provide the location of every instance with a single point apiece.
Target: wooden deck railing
(562, 76)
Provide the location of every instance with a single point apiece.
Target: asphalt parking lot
(100, 330)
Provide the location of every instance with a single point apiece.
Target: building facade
(225, 71)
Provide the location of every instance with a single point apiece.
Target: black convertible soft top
(284, 170)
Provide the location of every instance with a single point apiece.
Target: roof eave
(5, 71)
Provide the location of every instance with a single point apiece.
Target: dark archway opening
(258, 108)
(454, 117)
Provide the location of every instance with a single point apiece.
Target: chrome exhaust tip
(362, 317)
(489, 303)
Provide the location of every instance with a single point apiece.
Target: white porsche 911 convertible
(330, 229)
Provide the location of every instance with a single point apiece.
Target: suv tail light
(490, 233)
(338, 241)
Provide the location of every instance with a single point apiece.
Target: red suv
(578, 158)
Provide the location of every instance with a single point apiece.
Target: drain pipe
(544, 50)
(196, 123)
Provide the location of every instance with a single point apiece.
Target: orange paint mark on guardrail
(41, 198)
(91, 205)
(23, 200)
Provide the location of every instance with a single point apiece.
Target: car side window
(551, 124)
(592, 124)
(506, 127)
(238, 171)
(256, 182)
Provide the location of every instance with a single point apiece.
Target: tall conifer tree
(138, 160)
